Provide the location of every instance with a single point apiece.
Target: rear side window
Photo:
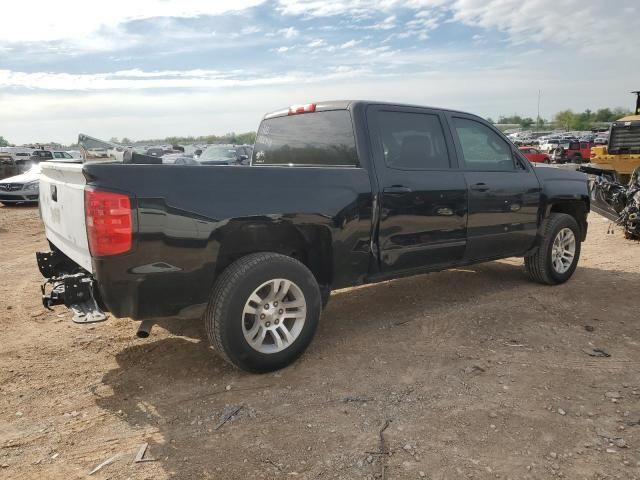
(482, 148)
(310, 139)
(413, 141)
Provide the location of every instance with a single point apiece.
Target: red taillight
(108, 218)
(296, 109)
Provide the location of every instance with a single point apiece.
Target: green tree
(513, 119)
(603, 115)
(3, 142)
(247, 138)
(526, 122)
(565, 119)
(619, 112)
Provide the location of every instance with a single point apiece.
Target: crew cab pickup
(337, 194)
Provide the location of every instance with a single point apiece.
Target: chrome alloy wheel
(563, 251)
(274, 315)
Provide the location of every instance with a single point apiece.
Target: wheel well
(577, 209)
(310, 244)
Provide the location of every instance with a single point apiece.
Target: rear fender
(309, 243)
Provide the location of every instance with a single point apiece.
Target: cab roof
(348, 105)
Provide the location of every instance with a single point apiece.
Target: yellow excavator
(622, 155)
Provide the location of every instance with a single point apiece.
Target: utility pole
(538, 117)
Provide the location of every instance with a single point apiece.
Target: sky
(154, 68)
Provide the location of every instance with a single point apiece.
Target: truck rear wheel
(263, 312)
(557, 257)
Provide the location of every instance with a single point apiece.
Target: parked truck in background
(337, 194)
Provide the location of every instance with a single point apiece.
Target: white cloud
(250, 29)
(476, 72)
(351, 43)
(44, 20)
(321, 8)
(387, 24)
(136, 79)
(290, 32)
(317, 43)
(590, 25)
(60, 116)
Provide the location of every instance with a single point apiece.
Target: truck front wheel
(263, 312)
(557, 256)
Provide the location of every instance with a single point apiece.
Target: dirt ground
(476, 372)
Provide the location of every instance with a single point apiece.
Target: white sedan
(23, 188)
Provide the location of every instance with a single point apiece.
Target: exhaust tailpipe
(144, 330)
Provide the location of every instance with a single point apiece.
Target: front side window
(482, 148)
(58, 155)
(309, 139)
(412, 141)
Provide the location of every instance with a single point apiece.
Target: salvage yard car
(337, 194)
(534, 155)
(21, 188)
(225, 155)
(24, 188)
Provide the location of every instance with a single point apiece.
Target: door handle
(480, 187)
(396, 190)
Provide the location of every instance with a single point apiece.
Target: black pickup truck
(337, 194)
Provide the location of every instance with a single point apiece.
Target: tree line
(247, 138)
(567, 119)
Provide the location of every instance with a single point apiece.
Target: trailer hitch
(75, 291)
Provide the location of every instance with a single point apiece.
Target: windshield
(218, 153)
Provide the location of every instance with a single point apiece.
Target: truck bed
(182, 214)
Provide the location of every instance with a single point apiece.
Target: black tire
(577, 158)
(539, 265)
(223, 317)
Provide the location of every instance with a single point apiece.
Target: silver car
(22, 188)
(25, 188)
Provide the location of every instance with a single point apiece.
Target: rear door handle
(480, 187)
(396, 190)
